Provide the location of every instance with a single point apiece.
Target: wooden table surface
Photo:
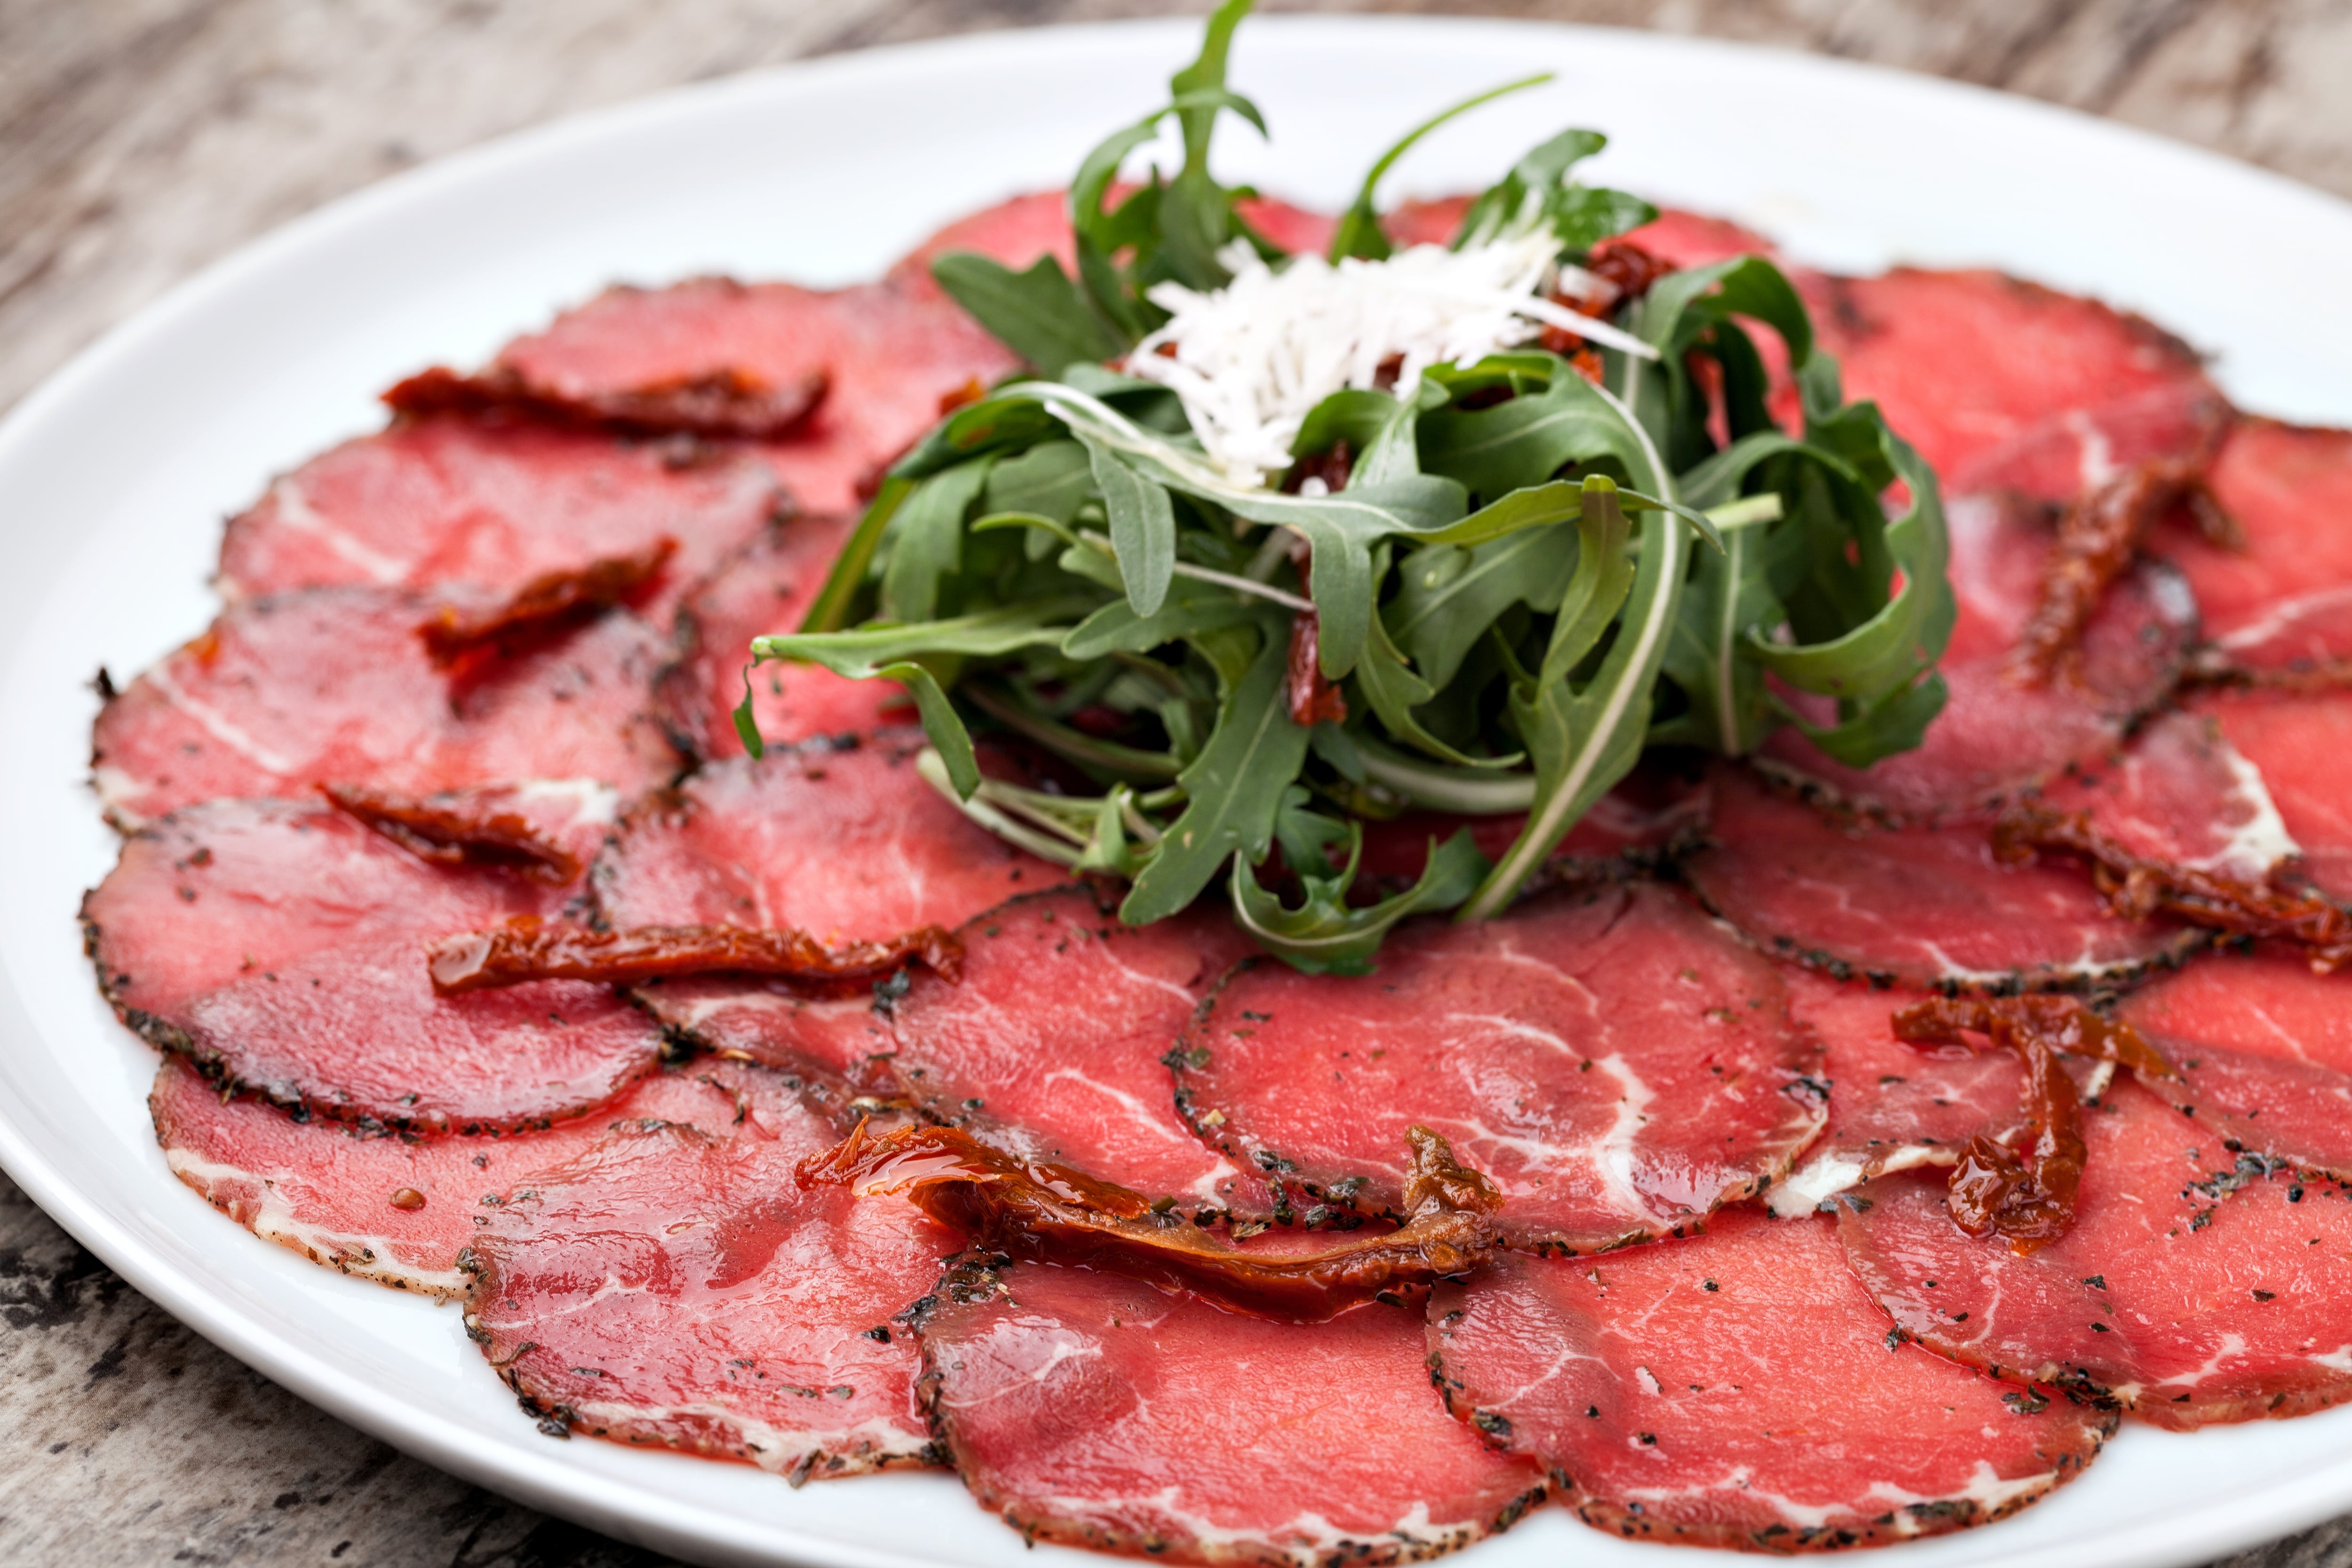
(141, 139)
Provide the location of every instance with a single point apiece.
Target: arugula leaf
(1038, 314)
(893, 652)
(1449, 595)
(1584, 739)
(1536, 192)
(1394, 691)
(1116, 629)
(1325, 935)
(1231, 789)
(1358, 232)
(927, 541)
(1493, 451)
(1142, 527)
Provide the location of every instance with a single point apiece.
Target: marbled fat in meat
(397, 1210)
(1093, 1411)
(2277, 600)
(2298, 741)
(669, 1289)
(493, 505)
(280, 946)
(1928, 907)
(2263, 1048)
(1617, 1064)
(2197, 1285)
(335, 686)
(1739, 1389)
(846, 843)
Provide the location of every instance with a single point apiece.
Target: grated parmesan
(1251, 359)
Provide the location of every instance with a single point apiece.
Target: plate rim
(639, 1512)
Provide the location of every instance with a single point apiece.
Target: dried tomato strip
(449, 832)
(1053, 1213)
(2024, 1190)
(727, 403)
(2096, 540)
(529, 948)
(2136, 888)
(1313, 699)
(548, 601)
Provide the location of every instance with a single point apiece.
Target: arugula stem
(1222, 579)
(934, 770)
(1437, 787)
(1077, 746)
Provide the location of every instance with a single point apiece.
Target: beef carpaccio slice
(669, 1288)
(767, 587)
(2178, 794)
(1999, 735)
(1099, 1412)
(280, 946)
(491, 505)
(394, 1209)
(2263, 1048)
(1925, 906)
(2279, 600)
(845, 842)
(2004, 384)
(2298, 741)
(1891, 1105)
(887, 356)
(1050, 1046)
(1617, 1064)
(1739, 1389)
(2197, 1285)
(335, 685)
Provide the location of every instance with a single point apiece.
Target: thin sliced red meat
(837, 1039)
(2179, 793)
(1891, 1105)
(491, 505)
(1015, 232)
(2280, 600)
(2006, 384)
(1739, 1390)
(2263, 1048)
(2196, 1286)
(2298, 742)
(766, 587)
(1928, 907)
(846, 843)
(333, 685)
(668, 1288)
(1998, 733)
(888, 355)
(1618, 1065)
(1051, 1045)
(388, 1208)
(1097, 1412)
(280, 946)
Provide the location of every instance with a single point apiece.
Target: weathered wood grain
(141, 139)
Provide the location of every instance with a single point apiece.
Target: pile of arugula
(1526, 580)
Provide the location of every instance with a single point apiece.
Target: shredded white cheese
(1250, 360)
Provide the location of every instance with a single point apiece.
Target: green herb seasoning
(1268, 545)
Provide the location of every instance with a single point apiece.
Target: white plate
(114, 476)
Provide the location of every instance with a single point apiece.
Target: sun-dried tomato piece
(549, 601)
(457, 830)
(527, 949)
(2023, 1190)
(2136, 888)
(1053, 1213)
(1313, 699)
(2097, 538)
(727, 402)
